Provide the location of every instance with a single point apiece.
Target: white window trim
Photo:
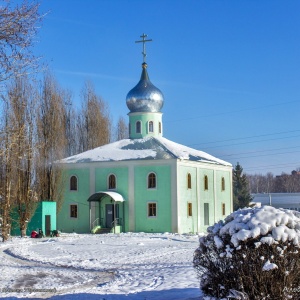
(155, 188)
(73, 218)
(206, 189)
(152, 202)
(108, 181)
(187, 181)
(223, 204)
(223, 179)
(149, 126)
(70, 183)
(189, 216)
(140, 127)
(160, 127)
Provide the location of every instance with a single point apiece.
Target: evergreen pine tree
(241, 194)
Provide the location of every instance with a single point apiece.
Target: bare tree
(17, 156)
(18, 27)
(51, 129)
(122, 129)
(70, 125)
(6, 175)
(22, 99)
(94, 126)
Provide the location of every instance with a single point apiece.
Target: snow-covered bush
(255, 252)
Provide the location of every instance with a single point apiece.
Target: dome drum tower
(145, 102)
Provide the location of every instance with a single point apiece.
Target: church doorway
(111, 215)
(108, 213)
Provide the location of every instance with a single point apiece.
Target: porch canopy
(98, 196)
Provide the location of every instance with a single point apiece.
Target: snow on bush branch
(254, 251)
(281, 225)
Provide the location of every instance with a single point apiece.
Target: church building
(145, 183)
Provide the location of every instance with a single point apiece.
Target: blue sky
(229, 70)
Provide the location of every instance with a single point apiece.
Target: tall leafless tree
(22, 99)
(18, 27)
(94, 126)
(18, 195)
(51, 132)
(122, 129)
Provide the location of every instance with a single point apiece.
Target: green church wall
(187, 195)
(223, 196)
(64, 221)
(207, 198)
(161, 195)
(198, 197)
(206, 201)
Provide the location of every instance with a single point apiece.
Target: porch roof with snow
(98, 196)
(149, 148)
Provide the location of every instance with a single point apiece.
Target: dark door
(47, 225)
(109, 215)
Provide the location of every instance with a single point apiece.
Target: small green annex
(146, 183)
(44, 218)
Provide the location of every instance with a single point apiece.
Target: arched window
(223, 184)
(159, 127)
(151, 126)
(205, 182)
(138, 127)
(189, 181)
(151, 181)
(112, 182)
(73, 183)
(129, 128)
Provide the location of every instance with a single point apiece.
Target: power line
(258, 151)
(233, 111)
(265, 140)
(269, 154)
(248, 137)
(264, 167)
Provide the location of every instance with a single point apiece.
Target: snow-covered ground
(121, 266)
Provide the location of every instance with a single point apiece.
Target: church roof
(149, 148)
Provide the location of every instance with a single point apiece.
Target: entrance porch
(106, 212)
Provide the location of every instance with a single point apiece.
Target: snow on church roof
(147, 148)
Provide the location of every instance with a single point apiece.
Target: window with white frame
(112, 182)
(206, 213)
(150, 126)
(205, 182)
(190, 209)
(73, 183)
(151, 181)
(189, 181)
(152, 209)
(223, 209)
(223, 184)
(138, 127)
(74, 211)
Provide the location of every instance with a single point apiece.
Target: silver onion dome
(144, 97)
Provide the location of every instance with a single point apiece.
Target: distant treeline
(284, 183)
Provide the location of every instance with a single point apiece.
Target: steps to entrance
(101, 230)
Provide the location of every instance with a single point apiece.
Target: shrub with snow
(254, 252)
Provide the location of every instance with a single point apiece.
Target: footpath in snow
(110, 267)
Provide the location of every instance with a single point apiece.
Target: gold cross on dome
(144, 45)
